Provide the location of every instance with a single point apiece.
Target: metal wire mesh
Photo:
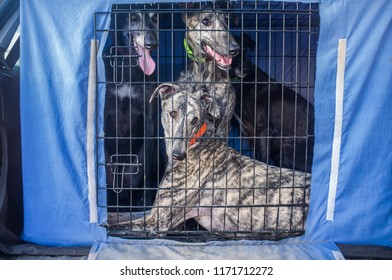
(274, 86)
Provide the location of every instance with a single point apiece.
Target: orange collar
(201, 131)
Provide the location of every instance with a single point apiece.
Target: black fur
(129, 117)
(269, 109)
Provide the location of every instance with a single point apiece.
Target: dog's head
(185, 117)
(241, 65)
(139, 30)
(208, 36)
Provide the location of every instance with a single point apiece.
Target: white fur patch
(125, 91)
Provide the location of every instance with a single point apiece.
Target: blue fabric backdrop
(363, 206)
(55, 47)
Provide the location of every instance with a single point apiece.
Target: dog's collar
(236, 79)
(190, 54)
(198, 134)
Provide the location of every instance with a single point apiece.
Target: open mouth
(241, 71)
(146, 63)
(222, 61)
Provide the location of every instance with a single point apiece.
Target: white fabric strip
(337, 255)
(337, 138)
(91, 176)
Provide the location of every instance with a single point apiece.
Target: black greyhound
(131, 126)
(278, 121)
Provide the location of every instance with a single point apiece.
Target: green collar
(190, 54)
(236, 79)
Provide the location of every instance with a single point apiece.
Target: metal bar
(267, 22)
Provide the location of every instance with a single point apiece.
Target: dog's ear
(206, 101)
(164, 90)
(120, 23)
(189, 19)
(187, 5)
(210, 111)
(222, 5)
(234, 18)
(185, 16)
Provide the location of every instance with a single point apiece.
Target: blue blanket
(55, 50)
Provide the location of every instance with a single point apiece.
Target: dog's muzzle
(177, 155)
(151, 41)
(234, 49)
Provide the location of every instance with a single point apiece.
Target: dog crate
(64, 163)
(278, 42)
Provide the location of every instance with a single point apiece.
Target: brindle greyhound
(211, 48)
(129, 117)
(214, 184)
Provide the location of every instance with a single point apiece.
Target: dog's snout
(151, 46)
(178, 155)
(150, 42)
(234, 48)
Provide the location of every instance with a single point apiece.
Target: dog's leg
(168, 212)
(303, 155)
(151, 148)
(261, 147)
(160, 219)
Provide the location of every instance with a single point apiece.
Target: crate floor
(289, 249)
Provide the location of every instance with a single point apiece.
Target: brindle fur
(211, 28)
(215, 185)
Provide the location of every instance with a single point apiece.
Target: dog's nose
(150, 42)
(234, 49)
(151, 46)
(178, 155)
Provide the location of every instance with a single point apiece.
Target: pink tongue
(146, 63)
(227, 60)
(223, 60)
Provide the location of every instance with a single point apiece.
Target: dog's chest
(128, 91)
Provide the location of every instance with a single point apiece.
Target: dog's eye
(204, 88)
(173, 114)
(195, 120)
(206, 21)
(227, 20)
(134, 17)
